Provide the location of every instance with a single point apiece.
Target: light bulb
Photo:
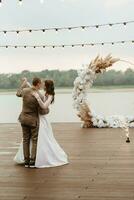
(41, 1)
(69, 29)
(5, 32)
(57, 30)
(20, 2)
(97, 27)
(0, 3)
(110, 25)
(83, 28)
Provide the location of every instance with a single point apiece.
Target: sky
(61, 13)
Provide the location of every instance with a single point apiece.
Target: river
(106, 103)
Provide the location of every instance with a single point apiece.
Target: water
(106, 103)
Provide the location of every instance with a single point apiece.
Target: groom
(29, 119)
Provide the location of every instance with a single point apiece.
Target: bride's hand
(36, 95)
(24, 79)
(23, 82)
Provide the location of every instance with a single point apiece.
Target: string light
(20, 2)
(71, 45)
(70, 28)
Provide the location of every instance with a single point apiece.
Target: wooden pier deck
(101, 166)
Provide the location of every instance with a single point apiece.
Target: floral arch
(82, 83)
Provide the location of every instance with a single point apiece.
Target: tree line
(66, 78)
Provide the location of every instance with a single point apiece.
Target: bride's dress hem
(50, 166)
(43, 166)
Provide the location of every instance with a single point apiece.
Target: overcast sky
(60, 13)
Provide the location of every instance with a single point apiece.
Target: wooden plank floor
(101, 166)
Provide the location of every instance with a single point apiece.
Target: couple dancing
(39, 148)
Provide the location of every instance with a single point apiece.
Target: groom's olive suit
(29, 119)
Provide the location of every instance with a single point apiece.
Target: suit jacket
(30, 109)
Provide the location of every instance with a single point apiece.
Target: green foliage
(66, 78)
(112, 78)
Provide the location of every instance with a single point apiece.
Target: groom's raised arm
(24, 85)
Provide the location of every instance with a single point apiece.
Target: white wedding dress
(49, 152)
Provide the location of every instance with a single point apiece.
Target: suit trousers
(30, 133)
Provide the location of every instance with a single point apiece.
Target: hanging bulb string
(68, 45)
(41, 1)
(20, 1)
(68, 28)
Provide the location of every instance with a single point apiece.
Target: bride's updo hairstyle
(49, 88)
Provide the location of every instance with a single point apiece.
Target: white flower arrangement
(82, 83)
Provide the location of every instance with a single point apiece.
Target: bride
(49, 153)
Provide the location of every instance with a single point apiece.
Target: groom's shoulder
(27, 90)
